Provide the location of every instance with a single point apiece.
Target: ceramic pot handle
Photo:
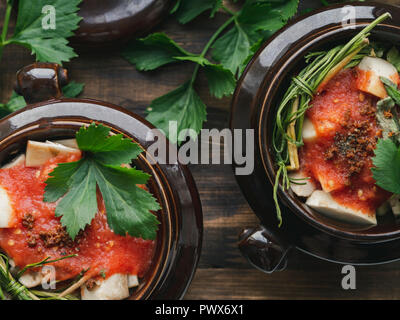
(263, 249)
(41, 81)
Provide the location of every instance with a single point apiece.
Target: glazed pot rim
(176, 206)
(292, 201)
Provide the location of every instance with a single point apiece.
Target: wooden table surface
(222, 272)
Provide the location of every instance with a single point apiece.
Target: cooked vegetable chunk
(38, 153)
(325, 204)
(31, 279)
(309, 133)
(6, 210)
(302, 188)
(70, 143)
(112, 288)
(395, 205)
(370, 70)
(133, 281)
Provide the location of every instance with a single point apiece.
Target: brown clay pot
(180, 232)
(254, 106)
(110, 23)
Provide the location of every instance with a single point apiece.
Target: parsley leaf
(187, 10)
(153, 52)
(72, 89)
(220, 80)
(128, 207)
(49, 45)
(251, 26)
(387, 166)
(110, 150)
(79, 205)
(182, 105)
(232, 48)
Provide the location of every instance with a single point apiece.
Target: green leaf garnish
(153, 52)
(187, 10)
(183, 105)
(128, 207)
(73, 89)
(220, 80)
(49, 45)
(387, 165)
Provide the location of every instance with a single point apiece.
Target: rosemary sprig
(10, 285)
(42, 263)
(322, 66)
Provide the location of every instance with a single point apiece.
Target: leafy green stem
(227, 10)
(210, 43)
(5, 27)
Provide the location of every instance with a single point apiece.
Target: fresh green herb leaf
(128, 207)
(73, 89)
(251, 27)
(391, 90)
(79, 205)
(110, 150)
(49, 45)
(287, 8)
(15, 103)
(393, 56)
(220, 81)
(232, 48)
(187, 10)
(184, 105)
(60, 178)
(387, 166)
(252, 17)
(153, 52)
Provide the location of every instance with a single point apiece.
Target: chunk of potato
(6, 210)
(324, 203)
(112, 288)
(38, 153)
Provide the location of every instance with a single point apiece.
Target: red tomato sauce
(97, 247)
(347, 132)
